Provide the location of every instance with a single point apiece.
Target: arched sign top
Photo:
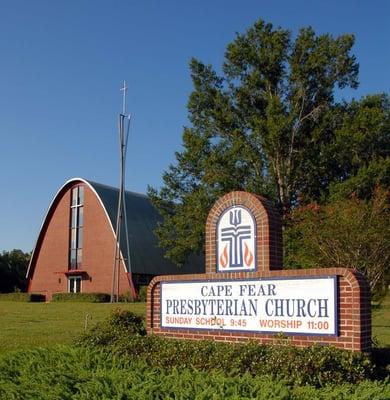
(232, 250)
(236, 240)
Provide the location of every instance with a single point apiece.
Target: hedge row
(82, 297)
(76, 297)
(317, 365)
(88, 374)
(97, 297)
(19, 296)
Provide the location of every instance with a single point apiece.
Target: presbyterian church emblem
(236, 240)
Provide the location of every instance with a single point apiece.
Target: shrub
(128, 298)
(316, 365)
(19, 296)
(82, 297)
(121, 324)
(381, 358)
(350, 233)
(77, 373)
(142, 293)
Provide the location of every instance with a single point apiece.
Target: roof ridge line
(115, 188)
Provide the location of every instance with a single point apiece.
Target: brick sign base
(254, 219)
(354, 312)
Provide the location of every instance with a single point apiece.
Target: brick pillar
(268, 225)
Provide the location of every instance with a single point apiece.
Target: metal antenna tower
(121, 220)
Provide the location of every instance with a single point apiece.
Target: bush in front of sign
(66, 372)
(315, 365)
(319, 365)
(120, 324)
(123, 334)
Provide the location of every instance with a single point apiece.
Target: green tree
(13, 268)
(352, 233)
(261, 125)
(350, 228)
(360, 150)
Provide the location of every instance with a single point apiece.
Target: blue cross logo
(235, 235)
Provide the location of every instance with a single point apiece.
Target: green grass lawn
(381, 323)
(26, 325)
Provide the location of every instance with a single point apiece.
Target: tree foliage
(360, 149)
(13, 268)
(350, 233)
(263, 125)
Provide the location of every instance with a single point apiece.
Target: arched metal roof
(142, 218)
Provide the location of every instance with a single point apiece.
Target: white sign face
(236, 240)
(304, 306)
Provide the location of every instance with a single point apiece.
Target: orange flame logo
(223, 260)
(248, 256)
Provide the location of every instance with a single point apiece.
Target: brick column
(269, 230)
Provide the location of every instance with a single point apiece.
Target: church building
(75, 248)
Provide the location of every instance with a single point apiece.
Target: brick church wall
(51, 256)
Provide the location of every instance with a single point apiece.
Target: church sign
(245, 294)
(269, 305)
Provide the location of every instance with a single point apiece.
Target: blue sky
(63, 62)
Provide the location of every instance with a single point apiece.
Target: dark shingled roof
(142, 218)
